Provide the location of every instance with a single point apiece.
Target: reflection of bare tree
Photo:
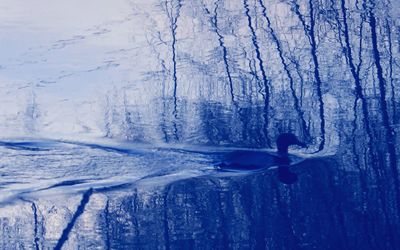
(264, 80)
(311, 33)
(286, 66)
(121, 119)
(263, 61)
(389, 132)
(173, 8)
(31, 114)
(388, 29)
(221, 41)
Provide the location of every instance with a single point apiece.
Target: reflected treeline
(292, 58)
(207, 123)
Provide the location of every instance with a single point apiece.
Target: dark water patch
(28, 146)
(65, 184)
(103, 147)
(216, 207)
(327, 206)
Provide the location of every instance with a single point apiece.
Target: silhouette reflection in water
(255, 161)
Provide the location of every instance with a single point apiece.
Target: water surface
(113, 116)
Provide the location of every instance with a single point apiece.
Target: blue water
(115, 119)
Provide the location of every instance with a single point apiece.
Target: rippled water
(36, 167)
(113, 117)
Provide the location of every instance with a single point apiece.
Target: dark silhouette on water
(254, 161)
